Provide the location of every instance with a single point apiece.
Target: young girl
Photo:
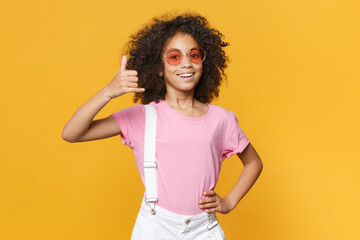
(175, 68)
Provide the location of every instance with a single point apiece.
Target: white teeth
(186, 75)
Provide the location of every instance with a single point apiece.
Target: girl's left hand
(215, 203)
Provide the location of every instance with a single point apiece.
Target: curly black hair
(146, 46)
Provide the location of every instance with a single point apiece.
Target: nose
(186, 63)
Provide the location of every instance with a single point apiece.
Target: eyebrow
(180, 49)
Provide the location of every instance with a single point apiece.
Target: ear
(161, 74)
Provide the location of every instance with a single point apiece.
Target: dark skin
(180, 96)
(252, 169)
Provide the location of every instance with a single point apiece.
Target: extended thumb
(123, 63)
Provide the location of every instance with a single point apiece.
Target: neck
(180, 100)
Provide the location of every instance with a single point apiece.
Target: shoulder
(136, 108)
(225, 118)
(156, 104)
(130, 112)
(222, 112)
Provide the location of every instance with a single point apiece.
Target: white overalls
(156, 223)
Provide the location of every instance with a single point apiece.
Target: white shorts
(166, 225)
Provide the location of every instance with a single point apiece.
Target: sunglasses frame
(188, 55)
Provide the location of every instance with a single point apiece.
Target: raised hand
(214, 203)
(124, 81)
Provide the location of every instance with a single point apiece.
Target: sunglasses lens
(196, 55)
(174, 57)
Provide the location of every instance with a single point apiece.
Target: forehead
(181, 41)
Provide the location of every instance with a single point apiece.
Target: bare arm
(81, 127)
(252, 169)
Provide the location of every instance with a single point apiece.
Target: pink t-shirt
(189, 151)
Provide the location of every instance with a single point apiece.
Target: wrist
(231, 202)
(104, 95)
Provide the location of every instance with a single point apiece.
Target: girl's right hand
(124, 81)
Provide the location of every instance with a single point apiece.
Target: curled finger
(209, 205)
(136, 89)
(132, 79)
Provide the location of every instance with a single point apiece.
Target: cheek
(168, 74)
(169, 70)
(200, 70)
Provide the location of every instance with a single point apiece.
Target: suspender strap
(149, 155)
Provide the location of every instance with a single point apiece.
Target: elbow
(257, 164)
(67, 138)
(260, 165)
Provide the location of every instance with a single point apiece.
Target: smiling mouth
(186, 75)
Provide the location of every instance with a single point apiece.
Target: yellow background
(293, 82)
